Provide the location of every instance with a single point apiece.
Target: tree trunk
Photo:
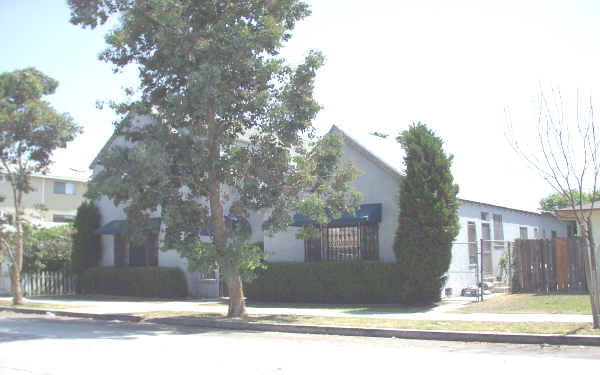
(17, 263)
(591, 275)
(16, 285)
(237, 304)
(237, 307)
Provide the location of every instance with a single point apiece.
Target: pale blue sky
(455, 65)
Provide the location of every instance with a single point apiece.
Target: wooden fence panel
(576, 250)
(45, 283)
(562, 264)
(550, 266)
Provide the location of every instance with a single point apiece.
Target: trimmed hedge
(344, 282)
(161, 282)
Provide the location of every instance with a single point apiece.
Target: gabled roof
(389, 155)
(103, 149)
(138, 121)
(384, 152)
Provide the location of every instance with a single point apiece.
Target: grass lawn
(525, 327)
(357, 309)
(527, 303)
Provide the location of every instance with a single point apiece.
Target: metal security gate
(486, 245)
(490, 267)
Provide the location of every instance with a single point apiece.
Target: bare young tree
(565, 154)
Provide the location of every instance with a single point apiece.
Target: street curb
(411, 334)
(121, 317)
(507, 338)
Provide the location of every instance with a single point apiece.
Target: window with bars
(136, 255)
(344, 242)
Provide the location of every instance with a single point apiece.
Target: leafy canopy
(557, 201)
(30, 129)
(44, 249)
(221, 126)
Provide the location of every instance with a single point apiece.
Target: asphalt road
(49, 345)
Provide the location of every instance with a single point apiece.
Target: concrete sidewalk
(442, 312)
(115, 311)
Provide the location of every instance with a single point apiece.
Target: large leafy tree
(557, 201)
(428, 218)
(224, 123)
(30, 130)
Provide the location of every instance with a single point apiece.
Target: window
(523, 233)
(485, 216)
(344, 242)
(63, 218)
(64, 188)
(535, 233)
(120, 249)
(553, 234)
(472, 239)
(571, 229)
(145, 254)
(136, 255)
(2, 178)
(498, 228)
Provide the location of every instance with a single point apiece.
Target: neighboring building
(498, 227)
(591, 210)
(55, 196)
(54, 200)
(367, 235)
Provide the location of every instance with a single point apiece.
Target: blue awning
(366, 213)
(121, 226)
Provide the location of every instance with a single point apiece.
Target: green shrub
(343, 282)
(161, 282)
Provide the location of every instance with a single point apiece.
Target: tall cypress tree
(428, 220)
(87, 249)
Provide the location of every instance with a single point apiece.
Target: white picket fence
(46, 283)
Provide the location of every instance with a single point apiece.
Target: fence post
(481, 269)
(509, 267)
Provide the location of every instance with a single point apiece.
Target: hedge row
(343, 282)
(161, 282)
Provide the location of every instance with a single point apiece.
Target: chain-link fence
(480, 267)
